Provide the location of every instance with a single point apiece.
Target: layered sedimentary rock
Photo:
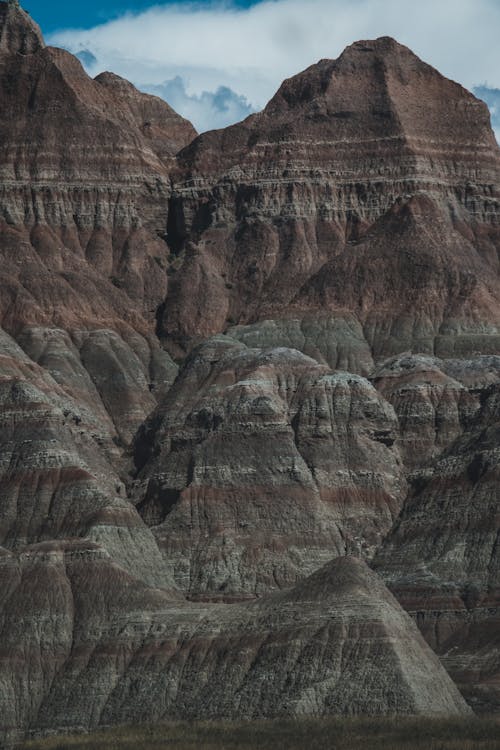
(432, 406)
(260, 465)
(337, 341)
(58, 475)
(113, 650)
(442, 560)
(120, 377)
(83, 186)
(344, 197)
(344, 223)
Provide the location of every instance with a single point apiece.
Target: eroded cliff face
(84, 182)
(435, 401)
(442, 559)
(115, 651)
(260, 465)
(346, 197)
(60, 471)
(330, 265)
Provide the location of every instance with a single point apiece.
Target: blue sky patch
(53, 15)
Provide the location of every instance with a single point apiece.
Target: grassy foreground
(303, 734)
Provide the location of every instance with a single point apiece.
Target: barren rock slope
(115, 651)
(260, 465)
(348, 197)
(442, 557)
(326, 275)
(84, 181)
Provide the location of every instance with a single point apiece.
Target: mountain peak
(381, 89)
(382, 44)
(383, 53)
(19, 34)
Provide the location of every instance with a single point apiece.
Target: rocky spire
(18, 32)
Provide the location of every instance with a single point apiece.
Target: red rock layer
(359, 222)
(84, 185)
(442, 559)
(85, 644)
(367, 188)
(261, 464)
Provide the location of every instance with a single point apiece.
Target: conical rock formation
(365, 192)
(113, 650)
(355, 218)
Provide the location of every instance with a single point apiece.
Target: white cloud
(492, 98)
(250, 51)
(210, 109)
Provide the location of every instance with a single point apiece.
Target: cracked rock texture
(190, 538)
(112, 650)
(260, 465)
(349, 198)
(442, 557)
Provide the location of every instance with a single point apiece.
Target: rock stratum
(317, 473)
(249, 397)
(116, 651)
(345, 197)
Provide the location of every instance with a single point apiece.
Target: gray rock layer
(260, 465)
(355, 218)
(442, 557)
(84, 644)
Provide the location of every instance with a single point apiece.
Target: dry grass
(303, 734)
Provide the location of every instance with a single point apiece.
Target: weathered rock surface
(433, 408)
(112, 650)
(344, 224)
(260, 465)
(84, 181)
(18, 33)
(330, 339)
(84, 184)
(58, 475)
(118, 377)
(345, 196)
(442, 558)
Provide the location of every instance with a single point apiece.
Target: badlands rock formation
(345, 196)
(442, 557)
(433, 399)
(260, 465)
(84, 180)
(57, 475)
(115, 651)
(326, 276)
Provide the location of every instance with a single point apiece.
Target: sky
(216, 61)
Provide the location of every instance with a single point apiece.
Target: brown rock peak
(343, 575)
(358, 59)
(375, 149)
(376, 94)
(379, 86)
(19, 34)
(385, 47)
